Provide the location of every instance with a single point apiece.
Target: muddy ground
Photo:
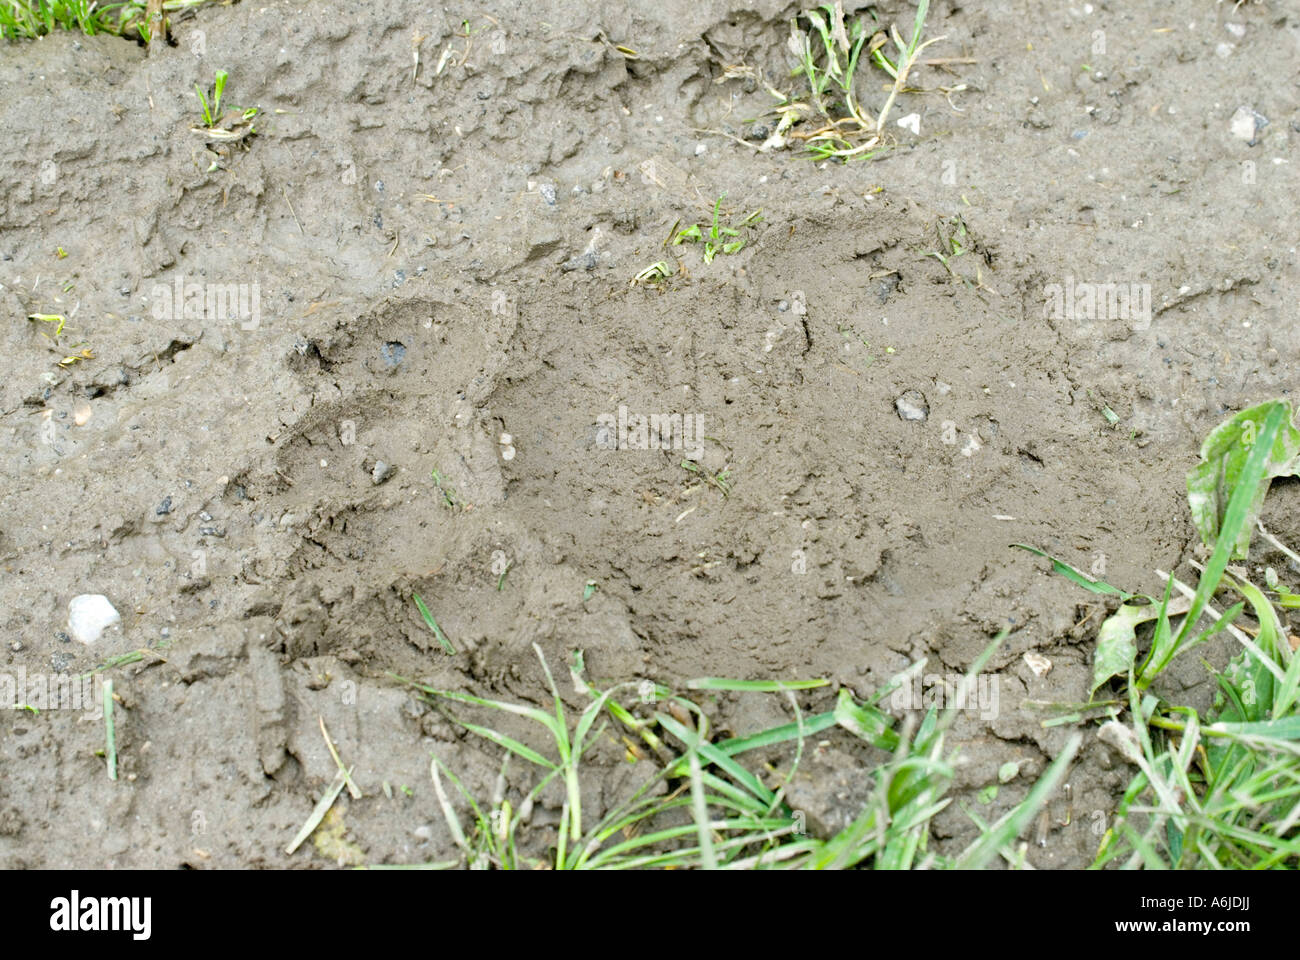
(443, 255)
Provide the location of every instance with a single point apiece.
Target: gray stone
(1247, 125)
(912, 406)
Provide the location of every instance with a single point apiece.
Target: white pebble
(89, 615)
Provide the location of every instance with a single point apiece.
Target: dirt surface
(443, 255)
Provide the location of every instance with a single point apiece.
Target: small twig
(729, 136)
(291, 210)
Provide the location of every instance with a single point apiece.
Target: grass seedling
(449, 498)
(432, 624)
(660, 270)
(954, 241)
(55, 318)
(212, 106)
(715, 236)
(59, 321)
(229, 127)
(849, 334)
(721, 480)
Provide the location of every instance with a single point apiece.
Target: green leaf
(922, 9)
(1285, 729)
(866, 722)
(432, 624)
(1242, 500)
(1224, 454)
(1117, 643)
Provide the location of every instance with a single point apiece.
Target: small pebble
(1037, 663)
(912, 406)
(382, 472)
(89, 615)
(164, 508)
(1246, 125)
(584, 261)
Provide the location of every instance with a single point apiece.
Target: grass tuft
(1223, 790)
(829, 118)
(30, 19)
(700, 806)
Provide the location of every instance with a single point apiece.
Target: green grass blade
(432, 624)
(1074, 575)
